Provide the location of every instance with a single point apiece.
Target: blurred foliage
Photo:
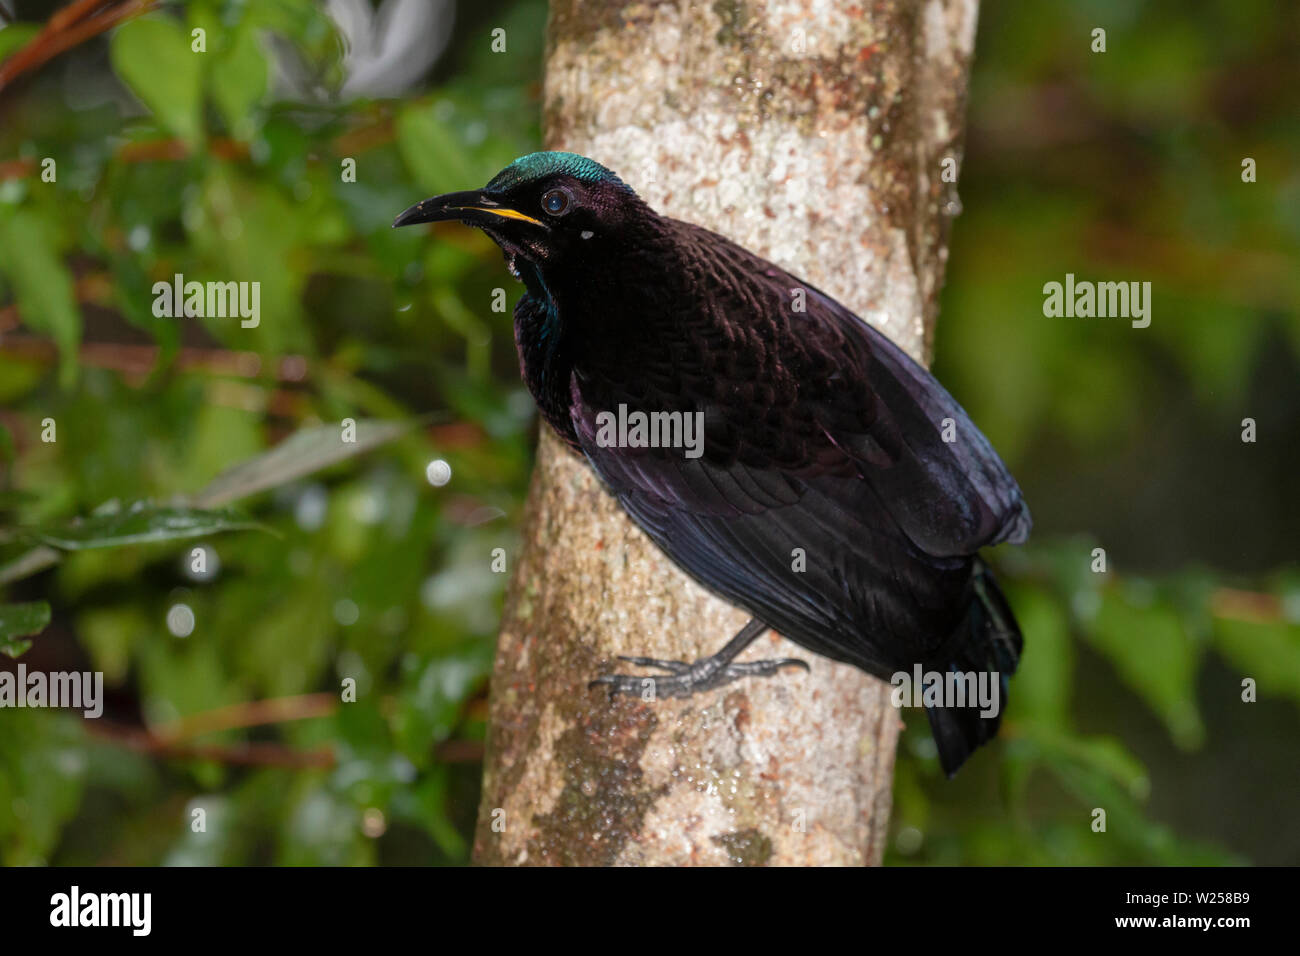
(1126, 166)
(230, 166)
(170, 162)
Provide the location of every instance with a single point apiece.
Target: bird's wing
(931, 466)
(810, 551)
(814, 366)
(824, 498)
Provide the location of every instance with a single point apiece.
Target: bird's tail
(987, 642)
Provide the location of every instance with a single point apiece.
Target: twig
(251, 713)
(1253, 606)
(139, 360)
(68, 27)
(160, 150)
(171, 743)
(243, 755)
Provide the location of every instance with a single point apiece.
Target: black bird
(818, 434)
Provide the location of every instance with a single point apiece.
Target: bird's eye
(556, 202)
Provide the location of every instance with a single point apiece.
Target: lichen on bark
(811, 132)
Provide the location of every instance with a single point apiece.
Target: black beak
(474, 208)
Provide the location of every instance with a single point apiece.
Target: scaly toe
(673, 667)
(763, 668)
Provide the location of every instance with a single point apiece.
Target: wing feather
(820, 435)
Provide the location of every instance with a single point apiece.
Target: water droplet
(346, 612)
(909, 840)
(180, 620)
(373, 823)
(309, 510)
(369, 507)
(438, 472)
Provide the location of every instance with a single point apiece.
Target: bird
(837, 492)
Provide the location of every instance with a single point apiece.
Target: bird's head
(549, 212)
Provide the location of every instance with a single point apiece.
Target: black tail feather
(988, 640)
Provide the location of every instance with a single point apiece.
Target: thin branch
(1256, 607)
(161, 150)
(139, 360)
(16, 169)
(68, 27)
(171, 745)
(243, 755)
(94, 287)
(253, 713)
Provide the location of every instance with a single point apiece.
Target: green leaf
(141, 524)
(297, 456)
(152, 56)
(1104, 756)
(1153, 655)
(109, 633)
(239, 81)
(28, 563)
(21, 620)
(1142, 839)
(42, 285)
(16, 35)
(306, 25)
(1268, 651)
(219, 436)
(18, 376)
(432, 151)
(1041, 690)
(43, 769)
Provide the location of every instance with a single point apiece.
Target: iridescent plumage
(822, 439)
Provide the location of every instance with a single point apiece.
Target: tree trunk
(815, 135)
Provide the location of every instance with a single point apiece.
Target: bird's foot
(689, 677)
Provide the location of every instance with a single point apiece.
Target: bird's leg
(690, 677)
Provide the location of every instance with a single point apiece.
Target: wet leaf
(1155, 657)
(42, 284)
(152, 55)
(18, 621)
(298, 455)
(141, 524)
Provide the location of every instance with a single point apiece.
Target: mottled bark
(813, 133)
